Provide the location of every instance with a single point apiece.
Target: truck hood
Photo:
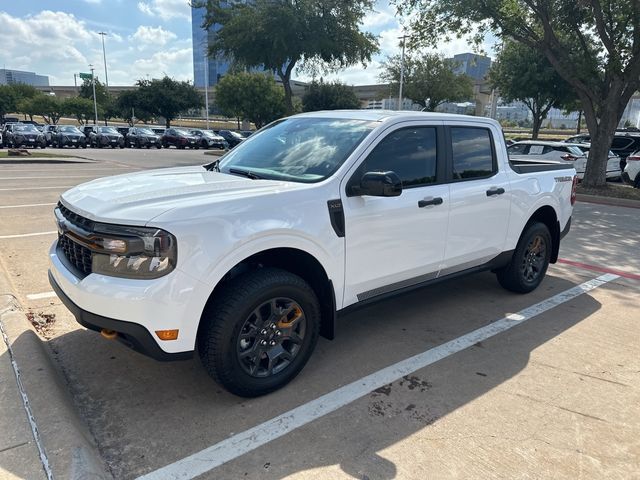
(137, 198)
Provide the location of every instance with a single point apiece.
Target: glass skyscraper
(201, 39)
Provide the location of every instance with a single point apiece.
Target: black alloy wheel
(259, 331)
(530, 260)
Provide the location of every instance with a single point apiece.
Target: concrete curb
(68, 445)
(612, 201)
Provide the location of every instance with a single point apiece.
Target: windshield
(298, 149)
(210, 134)
(145, 131)
(182, 131)
(108, 130)
(69, 129)
(25, 128)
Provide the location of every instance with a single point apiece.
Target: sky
(144, 38)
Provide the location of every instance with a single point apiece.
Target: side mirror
(380, 184)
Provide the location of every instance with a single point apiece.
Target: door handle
(495, 191)
(430, 201)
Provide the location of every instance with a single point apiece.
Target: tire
(636, 184)
(158, 146)
(224, 320)
(530, 260)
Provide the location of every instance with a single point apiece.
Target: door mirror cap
(380, 184)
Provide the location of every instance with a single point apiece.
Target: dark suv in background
(139, 137)
(625, 142)
(24, 135)
(106, 137)
(208, 139)
(179, 138)
(68, 136)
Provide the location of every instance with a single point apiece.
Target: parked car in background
(246, 133)
(208, 139)
(88, 129)
(631, 173)
(179, 138)
(25, 135)
(624, 143)
(106, 137)
(48, 132)
(6, 130)
(158, 130)
(123, 131)
(562, 151)
(68, 136)
(232, 138)
(142, 137)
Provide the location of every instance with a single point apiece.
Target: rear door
(480, 200)
(396, 242)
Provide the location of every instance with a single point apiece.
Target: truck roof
(394, 115)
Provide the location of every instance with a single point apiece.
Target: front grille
(78, 255)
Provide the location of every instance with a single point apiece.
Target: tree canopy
(329, 96)
(250, 96)
(429, 79)
(132, 106)
(524, 74)
(80, 108)
(277, 35)
(593, 44)
(166, 97)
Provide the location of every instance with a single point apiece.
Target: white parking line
(249, 440)
(20, 235)
(28, 205)
(40, 296)
(34, 188)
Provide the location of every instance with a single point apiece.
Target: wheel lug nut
(278, 333)
(263, 342)
(272, 343)
(263, 331)
(273, 326)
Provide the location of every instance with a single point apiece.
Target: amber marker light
(167, 334)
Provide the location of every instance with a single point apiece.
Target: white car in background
(631, 172)
(576, 153)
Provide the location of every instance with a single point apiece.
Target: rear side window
(517, 149)
(409, 152)
(472, 153)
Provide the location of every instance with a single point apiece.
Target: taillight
(633, 158)
(573, 190)
(569, 158)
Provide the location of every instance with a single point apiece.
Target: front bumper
(133, 308)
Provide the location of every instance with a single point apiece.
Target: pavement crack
(14, 446)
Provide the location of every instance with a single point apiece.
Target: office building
(201, 39)
(8, 77)
(471, 64)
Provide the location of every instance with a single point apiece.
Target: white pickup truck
(248, 259)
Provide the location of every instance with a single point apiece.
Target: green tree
(27, 106)
(277, 35)
(131, 106)
(593, 44)
(48, 107)
(524, 74)
(329, 96)
(168, 98)
(86, 91)
(80, 108)
(429, 80)
(250, 96)
(7, 101)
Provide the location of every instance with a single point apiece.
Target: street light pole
(403, 38)
(95, 103)
(104, 57)
(206, 87)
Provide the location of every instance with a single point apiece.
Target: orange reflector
(167, 334)
(108, 334)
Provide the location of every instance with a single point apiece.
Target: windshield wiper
(245, 173)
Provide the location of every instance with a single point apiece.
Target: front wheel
(259, 331)
(530, 260)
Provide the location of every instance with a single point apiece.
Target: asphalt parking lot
(554, 395)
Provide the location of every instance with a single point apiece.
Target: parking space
(555, 396)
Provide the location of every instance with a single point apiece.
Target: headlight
(133, 252)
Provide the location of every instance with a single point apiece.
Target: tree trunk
(579, 121)
(167, 122)
(537, 122)
(595, 174)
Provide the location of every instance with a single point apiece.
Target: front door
(397, 242)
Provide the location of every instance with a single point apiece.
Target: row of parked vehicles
(18, 134)
(623, 162)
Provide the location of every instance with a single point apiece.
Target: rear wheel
(259, 332)
(636, 184)
(530, 260)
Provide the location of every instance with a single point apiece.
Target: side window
(517, 149)
(472, 153)
(409, 152)
(620, 142)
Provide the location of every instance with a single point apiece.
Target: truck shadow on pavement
(145, 415)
